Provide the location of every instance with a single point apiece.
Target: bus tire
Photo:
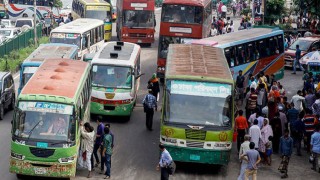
(1, 112)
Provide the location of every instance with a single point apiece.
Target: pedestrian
(244, 161)
(269, 150)
(112, 135)
(241, 125)
(296, 60)
(292, 115)
(253, 116)
(298, 101)
(298, 130)
(98, 144)
(315, 148)
(253, 160)
(149, 103)
(240, 85)
(266, 132)
(276, 125)
(310, 98)
(153, 84)
(316, 105)
(255, 133)
(310, 122)
(107, 151)
(284, 120)
(286, 146)
(260, 119)
(87, 137)
(262, 97)
(251, 102)
(165, 161)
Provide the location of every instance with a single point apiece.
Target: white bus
(87, 34)
(115, 79)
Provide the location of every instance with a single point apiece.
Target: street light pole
(35, 22)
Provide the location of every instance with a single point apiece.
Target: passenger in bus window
(176, 17)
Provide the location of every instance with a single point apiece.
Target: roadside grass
(11, 62)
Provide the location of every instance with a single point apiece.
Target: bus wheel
(1, 112)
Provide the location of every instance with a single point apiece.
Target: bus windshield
(98, 13)
(27, 73)
(66, 38)
(182, 14)
(198, 103)
(138, 19)
(303, 45)
(44, 121)
(112, 76)
(166, 40)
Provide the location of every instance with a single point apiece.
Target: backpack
(171, 168)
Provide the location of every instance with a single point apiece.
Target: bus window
(271, 46)
(241, 54)
(250, 52)
(182, 14)
(227, 53)
(280, 44)
(261, 48)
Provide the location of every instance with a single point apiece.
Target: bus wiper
(31, 131)
(61, 142)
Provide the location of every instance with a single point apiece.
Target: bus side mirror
(138, 76)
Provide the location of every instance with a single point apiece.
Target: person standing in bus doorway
(240, 85)
(296, 61)
(107, 151)
(165, 161)
(98, 144)
(87, 137)
(153, 84)
(149, 103)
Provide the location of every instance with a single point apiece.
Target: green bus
(197, 109)
(45, 128)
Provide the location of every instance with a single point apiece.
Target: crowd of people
(270, 124)
(225, 25)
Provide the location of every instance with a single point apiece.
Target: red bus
(136, 21)
(181, 22)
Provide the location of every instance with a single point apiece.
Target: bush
(12, 61)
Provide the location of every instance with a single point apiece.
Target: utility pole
(35, 22)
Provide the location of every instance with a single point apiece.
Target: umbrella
(311, 56)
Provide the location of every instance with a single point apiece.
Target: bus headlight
(66, 160)
(17, 156)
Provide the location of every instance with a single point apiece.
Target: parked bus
(45, 128)
(252, 51)
(24, 8)
(182, 21)
(115, 79)
(197, 109)
(87, 34)
(43, 52)
(136, 21)
(95, 9)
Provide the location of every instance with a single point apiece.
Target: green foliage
(274, 10)
(245, 11)
(12, 61)
(57, 3)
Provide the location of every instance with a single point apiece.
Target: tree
(57, 3)
(310, 6)
(274, 10)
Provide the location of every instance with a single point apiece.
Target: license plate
(139, 41)
(194, 157)
(40, 170)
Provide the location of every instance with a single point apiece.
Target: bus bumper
(138, 40)
(112, 110)
(197, 155)
(44, 169)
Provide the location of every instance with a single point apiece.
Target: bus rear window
(182, 14)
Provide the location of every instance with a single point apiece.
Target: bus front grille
(195, 134)
(195, 144)
(137, 35)
(40, 152)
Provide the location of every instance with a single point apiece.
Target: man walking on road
(296, 61)
(149, 103)
(97, 145)
(286, 146)
(253, 160)
(241, 126)
(315, 148)
(107, 151)
(255, 133)
(165, 161)
(244, 161)
(298, 100)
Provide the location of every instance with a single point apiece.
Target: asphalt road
(136, 149)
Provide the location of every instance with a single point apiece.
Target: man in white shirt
(165, 161)
(297, 100)
(253, 117)
(255, 133)
(244, 162)
(223, 11)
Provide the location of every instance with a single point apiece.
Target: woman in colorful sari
(266, 131)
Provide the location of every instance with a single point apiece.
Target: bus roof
(240, 37)
(78, 26)
(52, 50)
(60, 77)
(188, 2)
(93, 2)
(197, 60)
(125, 57)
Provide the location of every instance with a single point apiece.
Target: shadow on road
(200, 169)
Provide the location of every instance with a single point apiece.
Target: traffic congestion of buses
(81, 72)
